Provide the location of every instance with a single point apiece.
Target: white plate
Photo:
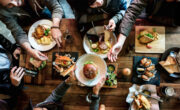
(99, 30)
(32, 40)
(101, 65)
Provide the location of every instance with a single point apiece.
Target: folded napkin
(136, 88)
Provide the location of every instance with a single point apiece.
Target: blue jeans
(67, 11)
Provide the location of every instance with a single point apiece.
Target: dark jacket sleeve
(13, 26)
(7, 45)
(95, 102)
(133, 11)
(56, 95)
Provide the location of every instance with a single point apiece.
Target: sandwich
(38, 65)
(39, 32)
(146, 37)
(64, 64)
(142, 102)
(90, 70)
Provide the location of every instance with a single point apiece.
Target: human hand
(71, 79)
(111, 25)
(102, 107)
(57, 36)
(98, 87)
(16, 75)
(40, 108)
(37, 55)
(115, 50)
(16, 53)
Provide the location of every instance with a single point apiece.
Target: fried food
(143, 61)
(151, 68)
(148, 63)
(142, 102)
(42, 35)
(146, 37)
(64, 64)
(39, 32)
(149, 74)
(147, 69)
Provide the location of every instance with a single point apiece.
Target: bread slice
(35, 63)
(145, 39)
(68, 70)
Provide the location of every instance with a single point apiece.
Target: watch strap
(55, 27)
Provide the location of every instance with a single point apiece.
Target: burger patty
(90, 71)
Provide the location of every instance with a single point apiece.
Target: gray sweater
(9, 16)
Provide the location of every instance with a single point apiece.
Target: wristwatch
(55, 27)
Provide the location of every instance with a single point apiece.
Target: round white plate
(99, 30)
(32, 40)
(101, 65)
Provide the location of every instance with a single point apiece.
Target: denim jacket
(115, 8)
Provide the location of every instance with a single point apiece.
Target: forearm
(58, 93)
(56, 22)
(26, 46)
(121, 39)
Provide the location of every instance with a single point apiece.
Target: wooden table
(114, 99)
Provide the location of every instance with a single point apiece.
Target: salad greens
(88, 62)
(95, 50)
(111, 79)
(46, 32)
(149, 35)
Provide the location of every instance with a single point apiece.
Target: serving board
(158, 46)
(115, 72)
(39, 79)
(55, 74)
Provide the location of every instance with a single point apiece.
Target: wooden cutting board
(158, 46)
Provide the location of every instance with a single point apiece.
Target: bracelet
(55, 27)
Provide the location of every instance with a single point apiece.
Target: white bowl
(32, 40)
(99, 30)
(101, 65)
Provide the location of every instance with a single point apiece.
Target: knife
(158, 99)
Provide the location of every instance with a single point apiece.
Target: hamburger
(90, 70)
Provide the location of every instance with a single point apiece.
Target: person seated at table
(99, 10)
(53, 101)
(164, 13)
(10, 79)
(16, 13)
